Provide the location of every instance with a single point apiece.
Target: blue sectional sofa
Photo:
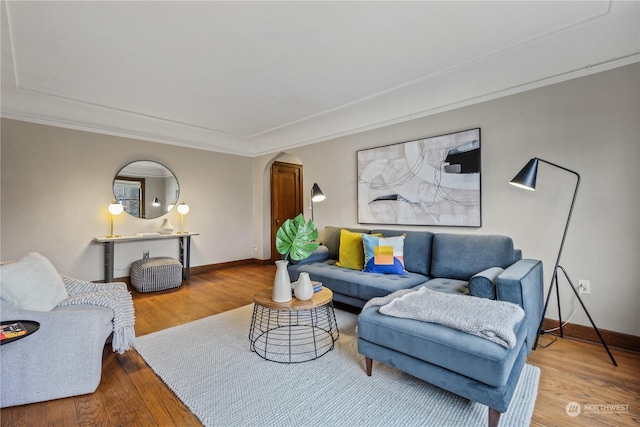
(485, 266)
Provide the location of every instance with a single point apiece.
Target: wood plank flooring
(131, 394)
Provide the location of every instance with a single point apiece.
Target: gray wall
(590, 125)
(57, 183)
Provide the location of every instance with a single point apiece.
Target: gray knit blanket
(493, 320)
(114, 296)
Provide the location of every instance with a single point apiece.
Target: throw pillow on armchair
(31, 283)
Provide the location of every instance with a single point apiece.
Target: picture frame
(430, 181)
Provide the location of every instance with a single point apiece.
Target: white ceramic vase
(281, 283)
(166, 227)
(304, 288)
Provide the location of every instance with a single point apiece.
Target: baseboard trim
(201, 269)
(263, 261)
(587, 333)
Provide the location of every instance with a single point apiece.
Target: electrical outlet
(584, 286)
(145, 254)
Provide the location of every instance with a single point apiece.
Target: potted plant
(295, 239)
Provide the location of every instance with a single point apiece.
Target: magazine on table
(12, 330)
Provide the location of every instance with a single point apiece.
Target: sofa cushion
(449, 286)
(483, 284)
(31, 283)
(458, 256)
(417, 249)
(354, 283)
(383, 254)
(469, 355)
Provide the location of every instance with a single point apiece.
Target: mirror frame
(144, 170)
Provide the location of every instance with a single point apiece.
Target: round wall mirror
(146, 189)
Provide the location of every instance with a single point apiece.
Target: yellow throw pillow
(351, 252)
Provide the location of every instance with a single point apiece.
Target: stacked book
(317, 286)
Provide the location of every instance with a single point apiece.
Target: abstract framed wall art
(430, 181)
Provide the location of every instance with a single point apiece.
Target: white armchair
(64, 356)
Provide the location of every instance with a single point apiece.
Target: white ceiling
(251, 78)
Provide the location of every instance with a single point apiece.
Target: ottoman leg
(369, 364)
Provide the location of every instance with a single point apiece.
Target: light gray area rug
(209, 366)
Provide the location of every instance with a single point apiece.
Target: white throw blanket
(114, 296)
(490, 319)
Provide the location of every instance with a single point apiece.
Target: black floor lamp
(316, 196)
(526, 179)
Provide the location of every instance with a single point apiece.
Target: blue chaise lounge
(478, 266)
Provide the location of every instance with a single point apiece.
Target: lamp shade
(526, 178)
(316, 194)
(183, 208)
(115, 208)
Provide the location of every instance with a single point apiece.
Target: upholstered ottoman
(156, 274)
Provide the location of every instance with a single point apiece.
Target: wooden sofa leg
(369, 364)
(494, 417)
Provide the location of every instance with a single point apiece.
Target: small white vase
(281, 283)
(304, 288)
(166, 227)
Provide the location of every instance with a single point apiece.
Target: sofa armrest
(61, 319)
(63, 358)
(77, 286)
(483, 284)
(522, 284)
(320, 254)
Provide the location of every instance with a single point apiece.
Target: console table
(109, 248)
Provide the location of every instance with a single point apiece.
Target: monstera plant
(295, 239)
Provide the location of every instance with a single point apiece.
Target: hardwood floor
(131, 394)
